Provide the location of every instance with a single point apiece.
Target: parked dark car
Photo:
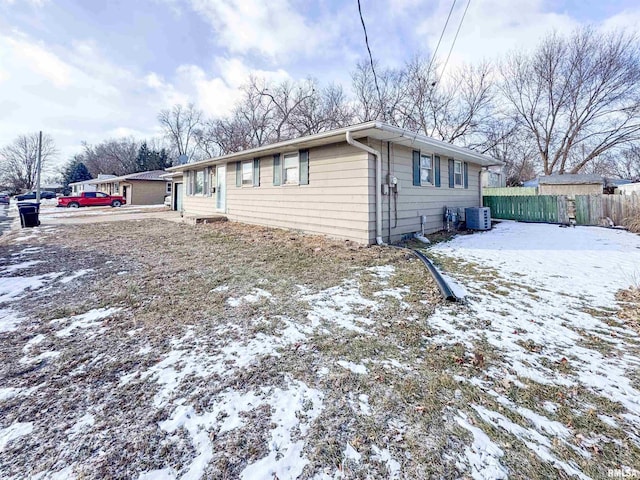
(4, 198)
(45, 194)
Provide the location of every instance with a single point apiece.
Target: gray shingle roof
(571, 179)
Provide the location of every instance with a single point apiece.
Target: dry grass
(632, 222)
(629, 301)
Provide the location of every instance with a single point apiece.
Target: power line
(455, 38)
(433, 56)
(373, 70)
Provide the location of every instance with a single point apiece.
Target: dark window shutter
(416, 168)
(436, 170)
(256, 172)
(466, 175)
(452, 178)
(304, 167)
(238, 174)
(277, 172)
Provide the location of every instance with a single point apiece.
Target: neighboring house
(569, 184)
(370, 183)
(493, 177)
(572, 184)
(143, 188)
(89, 185)
(52, 187)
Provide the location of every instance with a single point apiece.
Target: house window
(199, 183)
(247, 173)
(457, 173)
(168, 188)
(426, 170)
(291, 168)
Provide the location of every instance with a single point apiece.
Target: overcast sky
(93, 69)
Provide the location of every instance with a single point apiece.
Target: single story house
(142, 188)
(88, 185)
(176, 190)
(371, 183)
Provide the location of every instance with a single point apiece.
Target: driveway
(5, 219)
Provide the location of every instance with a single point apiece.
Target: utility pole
(39, 167)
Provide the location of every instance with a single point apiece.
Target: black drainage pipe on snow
(445, 288)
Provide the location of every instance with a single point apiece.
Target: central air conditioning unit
(478, 218)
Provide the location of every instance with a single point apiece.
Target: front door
(221, 188)
(178, 194)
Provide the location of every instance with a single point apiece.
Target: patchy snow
(161, 474)
(92, 318)
(384, 456)
(547, 276)
(353, 367)
(13, 288)
(254, 297)
(291, 409)
(13, 432)
(8, 393)
(9, 320)
(397, 292)
(351, 453)
(342, 305)
(543, 298)
(483, 455)
(20, 266)
(76, 274)
(383, 272)
(221, 288)
(83, 424)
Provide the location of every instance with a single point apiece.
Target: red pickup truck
(91, 199)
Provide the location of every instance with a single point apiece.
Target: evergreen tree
(151, 159)
(75, 171)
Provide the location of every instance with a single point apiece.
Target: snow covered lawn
(561, 375)
(162, 351)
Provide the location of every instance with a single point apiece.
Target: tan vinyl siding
(199, 205)
(414, 201)
(334, 203)
(144, 192)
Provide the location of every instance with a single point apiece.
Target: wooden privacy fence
(584, 209)
(596, 209)
(539, 208)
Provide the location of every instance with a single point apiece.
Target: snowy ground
(542, 298)
(167, 351)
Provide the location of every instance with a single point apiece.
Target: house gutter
(376, 154)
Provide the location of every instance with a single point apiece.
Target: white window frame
(457, 163)
(283, 176)
(429, 169)
(247, 172)
(169, 188)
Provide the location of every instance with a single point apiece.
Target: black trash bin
(29, 214)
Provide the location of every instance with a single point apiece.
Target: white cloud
(277, 29)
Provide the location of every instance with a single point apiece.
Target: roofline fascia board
(339, 134)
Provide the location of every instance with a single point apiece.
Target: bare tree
(454, 109)
(113, 156)
(383, 102)
(180, 125)
(508, 142)
(18, 160)
(578, 96)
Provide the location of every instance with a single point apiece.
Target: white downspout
(375, 153)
